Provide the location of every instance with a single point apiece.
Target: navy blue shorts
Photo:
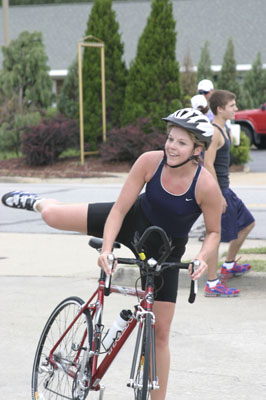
(236, 217)
(166, 284)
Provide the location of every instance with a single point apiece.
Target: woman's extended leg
(164, 312)
(68, 217)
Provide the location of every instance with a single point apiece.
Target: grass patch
(67, 153)
(253, 250)
(9, 155)
(258, 265)
(70, 153)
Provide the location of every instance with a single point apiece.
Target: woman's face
(179, 146)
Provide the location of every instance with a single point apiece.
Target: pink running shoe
(220, 290)
(237, 270)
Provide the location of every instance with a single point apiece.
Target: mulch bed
(69, 167)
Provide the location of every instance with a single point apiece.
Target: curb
(243, 178)
(127, 276)
(104, 178)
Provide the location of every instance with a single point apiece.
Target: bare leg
(69, 217)
(164, 312)
(233, 249)
(212, 266)
(214, 286)
(236, 244)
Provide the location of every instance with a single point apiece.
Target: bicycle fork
(155, 384)
(138, 351)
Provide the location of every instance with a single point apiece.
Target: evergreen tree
(25, 70)
(153, 88)
(204, 65)
(255, 83)
(68, 102)
(245, 100)
(102, 25)
(188, 80)
(227, 79)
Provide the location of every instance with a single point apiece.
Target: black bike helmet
(195, 122)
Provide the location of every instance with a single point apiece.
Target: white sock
(213, 283)
(36, 203)
(228, 265)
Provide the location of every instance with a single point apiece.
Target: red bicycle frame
(95, 306)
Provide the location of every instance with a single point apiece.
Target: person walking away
(237, 221)
(200, 103)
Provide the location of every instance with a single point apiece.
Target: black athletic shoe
(22, 200)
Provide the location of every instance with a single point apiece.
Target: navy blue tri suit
(236, 216)
(156, 206)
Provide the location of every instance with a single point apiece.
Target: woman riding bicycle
(178, 189)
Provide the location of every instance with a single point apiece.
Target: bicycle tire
(142, 378)
(52, 383)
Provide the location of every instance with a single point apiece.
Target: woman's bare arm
(139, 174)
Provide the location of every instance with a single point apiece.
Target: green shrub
(129, 142)
(68, 101)
(240, 154)
(43, 144)
(11, 130)
(51, 112)
(29, 119)
(7, 140)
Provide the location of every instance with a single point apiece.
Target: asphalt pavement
(218, 345)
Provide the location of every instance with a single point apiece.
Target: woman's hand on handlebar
(105, 262)
(198, 270)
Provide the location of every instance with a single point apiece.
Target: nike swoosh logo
(189, 199)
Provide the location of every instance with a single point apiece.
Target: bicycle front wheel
(56, 375)
(143, 382)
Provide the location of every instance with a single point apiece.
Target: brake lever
(194, 283)
(108, 278)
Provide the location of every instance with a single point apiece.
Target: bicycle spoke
(58, 380)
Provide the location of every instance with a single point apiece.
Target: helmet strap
(178, 165)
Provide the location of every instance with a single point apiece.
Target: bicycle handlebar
(138, 245)
(193, 285)
(139, 242)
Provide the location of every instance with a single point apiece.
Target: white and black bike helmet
(195, 122)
